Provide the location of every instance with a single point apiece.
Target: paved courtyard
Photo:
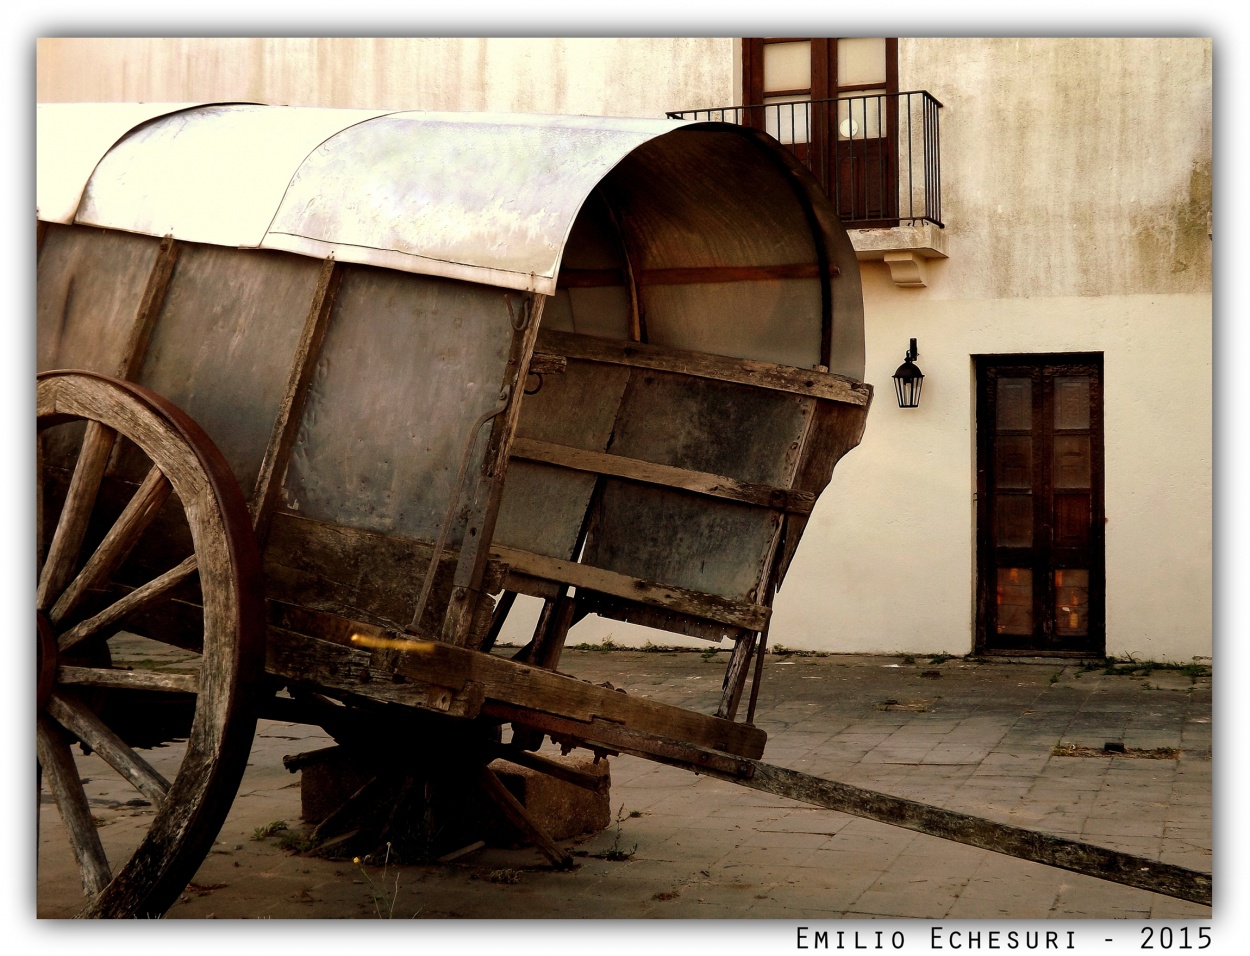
(1018, 743)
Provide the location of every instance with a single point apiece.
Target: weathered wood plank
(149, 309)
(634, 469)
(388, 655)
(58, 766)
(365, 670)
(291, 410)
(609, 735)
(483, 510)
(835, 430)
(1100, 862)
(591, 278)
(594, 782)
(79, 720)
(736, 676)
(741, 371)
(660, 618)
(364, 575)
(71, 526)
(707, 606)
(139, 512)
(141, 597)
(127, 679)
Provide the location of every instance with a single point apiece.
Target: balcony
(878, 158)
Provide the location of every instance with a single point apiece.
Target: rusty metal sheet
(71, 138)
(213, 174)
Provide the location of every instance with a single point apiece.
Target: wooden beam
(689, 275)
(709, 274)
(782, 378)
(368, 660)
(1100, 862)
(487, 494)
(127, 679)
(149, 308)
(707, 606)
(667, 476)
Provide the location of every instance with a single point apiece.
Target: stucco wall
(596, 76)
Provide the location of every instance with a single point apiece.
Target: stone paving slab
(983, 741)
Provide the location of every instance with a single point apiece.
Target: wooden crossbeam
(781, 378)
(710, 607)
(667, 476)
(689, 275)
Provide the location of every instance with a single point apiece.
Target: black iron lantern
(908, 379)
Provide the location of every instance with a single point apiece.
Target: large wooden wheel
(148, 504)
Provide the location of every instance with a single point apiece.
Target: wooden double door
(1040, 540)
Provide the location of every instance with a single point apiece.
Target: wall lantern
(908, 380)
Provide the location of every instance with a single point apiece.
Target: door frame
(1042, 367)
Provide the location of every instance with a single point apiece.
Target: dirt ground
(982, 738)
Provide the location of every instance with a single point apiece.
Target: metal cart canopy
(486, 198)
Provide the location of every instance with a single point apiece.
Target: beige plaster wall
(597, 76)
(1070, 166)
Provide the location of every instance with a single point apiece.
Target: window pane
(1015, 601)
(1071, 520)
(1071, 461)
(1072, 401)
(1072, 602)
(1015, 404)
(788, 66)
(861, 60)
(1015, 521)
(862, 115)
(787, 121)
(1013, 466)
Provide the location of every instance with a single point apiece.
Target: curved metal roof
(483, 197)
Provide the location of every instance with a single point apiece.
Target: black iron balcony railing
(877, 156)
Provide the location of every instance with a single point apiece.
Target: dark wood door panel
(1040, 555)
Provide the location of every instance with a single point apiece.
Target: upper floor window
(834, 102)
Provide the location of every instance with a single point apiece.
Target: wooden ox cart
(321, 391)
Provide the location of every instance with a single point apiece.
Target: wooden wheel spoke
(201, 697)
(71, 800)
(117, 544)
(141, 597)
(127, 679)
(89, 728)
(62, 558)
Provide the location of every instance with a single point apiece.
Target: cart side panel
(544, 508)
(223, 345)
(408, 365)
(89, 291)
(90, 284)
(719, 428)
